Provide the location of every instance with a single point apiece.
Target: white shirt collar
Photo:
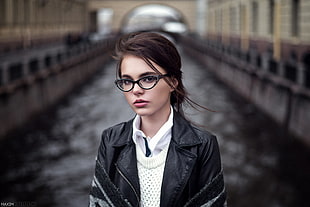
(159, 141)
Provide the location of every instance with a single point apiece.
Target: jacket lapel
(127, 164)
(127, 161)
(180, 160)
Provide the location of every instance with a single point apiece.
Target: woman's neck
(151, 124)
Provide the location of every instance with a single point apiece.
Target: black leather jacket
(193, 160)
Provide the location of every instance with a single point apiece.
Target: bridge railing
(279, 89)
(32, 83)
(23, 70)
(289, 72)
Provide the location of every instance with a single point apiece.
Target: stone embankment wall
(279, 89)
(31, 84)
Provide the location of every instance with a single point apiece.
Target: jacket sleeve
(212, 190)
(103, 192)
(212, 194)
(209, 159)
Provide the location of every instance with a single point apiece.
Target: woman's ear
(174, 83)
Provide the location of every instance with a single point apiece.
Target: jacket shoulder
(187, 134)
(208, 139)
(117, 134)
(203, 134)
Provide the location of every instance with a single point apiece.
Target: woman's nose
(137, 89)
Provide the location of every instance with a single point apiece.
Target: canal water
(50, 162)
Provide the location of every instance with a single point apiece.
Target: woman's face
(152, 102)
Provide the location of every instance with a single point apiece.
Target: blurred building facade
(33, 22)
(27, 23)
(124, 8)
(278, 27)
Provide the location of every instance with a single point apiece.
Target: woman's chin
(142, 111)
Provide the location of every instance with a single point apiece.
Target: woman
(158, 158)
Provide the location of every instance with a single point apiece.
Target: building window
(218, 21)
(27, 8)
(254, 17)
(295, 18)
(271, 16)
(233, 24)
(2, 12)
(242, 18)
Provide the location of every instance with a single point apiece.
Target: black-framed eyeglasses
(146, 82)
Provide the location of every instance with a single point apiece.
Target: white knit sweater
(151, 171)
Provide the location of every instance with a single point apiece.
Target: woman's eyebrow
(147, 73)
(141, 75)
(126, 76)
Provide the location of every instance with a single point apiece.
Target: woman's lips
(140, 103)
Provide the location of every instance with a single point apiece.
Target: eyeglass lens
(147, 82)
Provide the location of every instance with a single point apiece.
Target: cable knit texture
(151, 170)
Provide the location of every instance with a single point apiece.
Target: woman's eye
(149, 79)
(126, 82)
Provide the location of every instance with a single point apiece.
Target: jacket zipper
(131, 186)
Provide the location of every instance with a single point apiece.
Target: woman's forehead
(133, 65)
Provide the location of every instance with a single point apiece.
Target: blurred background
(249, 60)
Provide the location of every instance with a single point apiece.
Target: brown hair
(153, 47)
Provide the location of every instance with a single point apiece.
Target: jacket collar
(183, 133)
(125, 135)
